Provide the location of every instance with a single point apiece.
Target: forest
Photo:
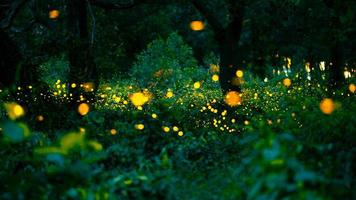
(177, 99)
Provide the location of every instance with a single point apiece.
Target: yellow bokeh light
(73, 85)
(139, 99)
(83, 109)
(239, 73)
(53, 14)
(352, 88)
(215, 77)
(113, 131)
(196, 85)
(233, 98)
(175, 128)
(154, 116)
(166, 129)
(287, 82)
(169, 94)
(327, 106)
(180, 133)
(139, 126)
(197, 25)
(40, 118)
(14, 110)
(81, 130)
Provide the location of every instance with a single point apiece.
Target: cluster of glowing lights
(14, 110)
(83, 109)
(233, 98)
(307, 67)
(88, 86)
(327, 106)
(197, 25)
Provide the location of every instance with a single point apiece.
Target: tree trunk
(9, 60)
(336, 53)
(230, 58)
(228, 39)
(336, 70)
(82, 66)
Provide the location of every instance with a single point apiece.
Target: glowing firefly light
(40, 118)
(139, 99)
(215, 78)
(197, 25)
(53, 14)
(83, 109)
(139, 126)
(287, 82)
(239, 73)
(169, 94)
(327, 106)
(175, 128)
(14, 110)
(166, 129)
(180, 133)
(352, 88)
(196, 85)
(113, 131)
(233, 98)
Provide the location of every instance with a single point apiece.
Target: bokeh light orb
(14, 110)
(287, 82)
(327, 106)
(197, 25)
(83, 109)
(53, 14)
(352, 88)
(139, 99)
(233, 98)
(196, 85)
(239, 73)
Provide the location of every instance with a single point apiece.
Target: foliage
(162, 60)
(276, 145)
(56, 68)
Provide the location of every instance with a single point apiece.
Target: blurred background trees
(101, 38)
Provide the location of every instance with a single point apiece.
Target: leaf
(71, 140)
(16, 132)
